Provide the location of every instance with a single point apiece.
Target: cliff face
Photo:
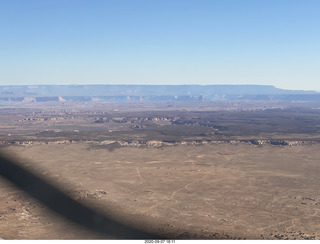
(153, 93)
(158, 144)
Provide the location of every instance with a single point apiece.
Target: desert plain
(212, 171)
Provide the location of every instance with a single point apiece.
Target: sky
(205, 42)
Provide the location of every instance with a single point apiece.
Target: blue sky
(275, 42)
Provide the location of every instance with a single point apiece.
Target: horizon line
(137, 84)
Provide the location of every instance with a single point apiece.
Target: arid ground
(223, 186)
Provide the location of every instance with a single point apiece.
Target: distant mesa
(150, 93)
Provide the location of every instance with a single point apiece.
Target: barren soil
(209, 191)
(247, 171)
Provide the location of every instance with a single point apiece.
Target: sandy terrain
(203, 192)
